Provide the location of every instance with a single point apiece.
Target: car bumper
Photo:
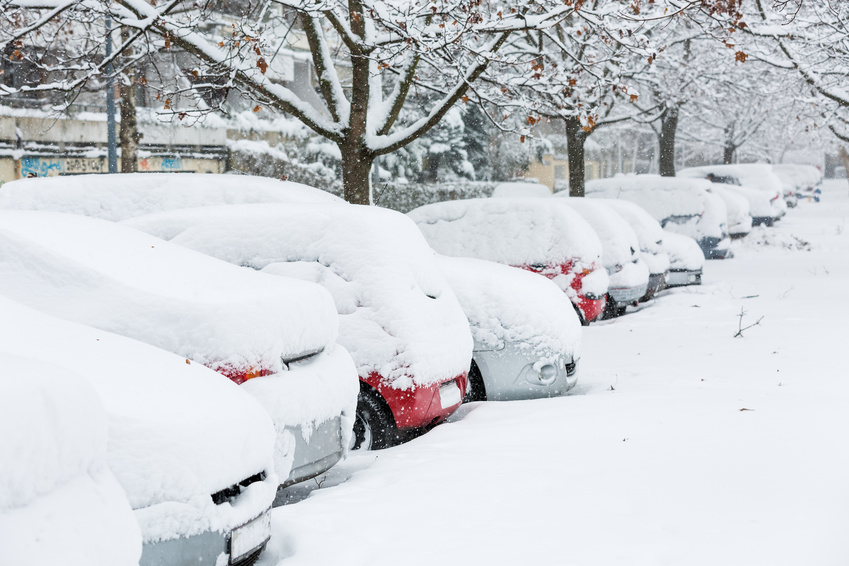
(765, 220)
(318, 454)
(657, 281)
(716, 248)
(623, 296)
(422, 405)
(205, 548)
(200, 532)
(321, 392)
(509, 374)
(681, 277)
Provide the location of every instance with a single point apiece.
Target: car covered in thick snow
(545, 236)
(684, 206)
(800, 181)
(650, 237)
(759, 176)
(740, 220)
(526, 334)
(275, 337)
(191, 450)
(399, 318)
(59, 502)
(686, 260)
(620, 255)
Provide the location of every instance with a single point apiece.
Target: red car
(545, 236)
(398, 318)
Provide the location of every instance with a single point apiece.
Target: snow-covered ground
(681, 444)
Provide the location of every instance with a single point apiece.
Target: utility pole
(111, 145)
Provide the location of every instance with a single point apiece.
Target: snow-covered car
(684, 206)
(124, 195)
(191, 450)
(800, 181)
(520, 189)
(761, 210)
(686, 260)
(545, 236)
(740, 220)
(620, 255)
(650, 237)
(275, 337)
(526, 334)
(59, 502)
(758, 176)
(398, 316)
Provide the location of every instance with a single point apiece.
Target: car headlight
(547, 374)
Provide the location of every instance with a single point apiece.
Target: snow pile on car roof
(121, 280)
(120, 196)
(796, 176)
(173, 427)
(756, 175)
(520, 189)
(399, 317)
(738, 207)
(519, 232)
(506, 305)
(59, 503)
(678, 204)
(684, 252)
(647, 229)
(619, 242)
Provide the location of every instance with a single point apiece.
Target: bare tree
(368, 56)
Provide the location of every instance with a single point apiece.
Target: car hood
(398, 316)
(118, 279)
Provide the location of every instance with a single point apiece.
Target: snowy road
(682, 445)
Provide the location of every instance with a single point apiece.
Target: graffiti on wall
(49, 166)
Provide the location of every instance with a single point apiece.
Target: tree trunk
(666, 142)
(575, 138)
(730, 149)
(356, 172)
(728, 153)
(129, 132)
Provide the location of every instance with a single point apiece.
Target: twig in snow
(740, 328)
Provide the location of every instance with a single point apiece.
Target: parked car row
(225, 337)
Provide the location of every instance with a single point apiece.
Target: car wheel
(374, 427)
(475, 390)
(583, 321)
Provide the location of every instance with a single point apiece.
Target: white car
(684, 206)
(620, 255)
(526, 334)
(759, 176)
(545, 236)
(650, 236)
(276, 337)
(800, 181)
(59, 502)
(398, 316)
(740, 219)
(192, 451)
(686, 260)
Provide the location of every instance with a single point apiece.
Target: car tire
(374, 426)
(475, 390)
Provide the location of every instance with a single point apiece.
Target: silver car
(526, 333)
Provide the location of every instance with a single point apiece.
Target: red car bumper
(421, 406)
